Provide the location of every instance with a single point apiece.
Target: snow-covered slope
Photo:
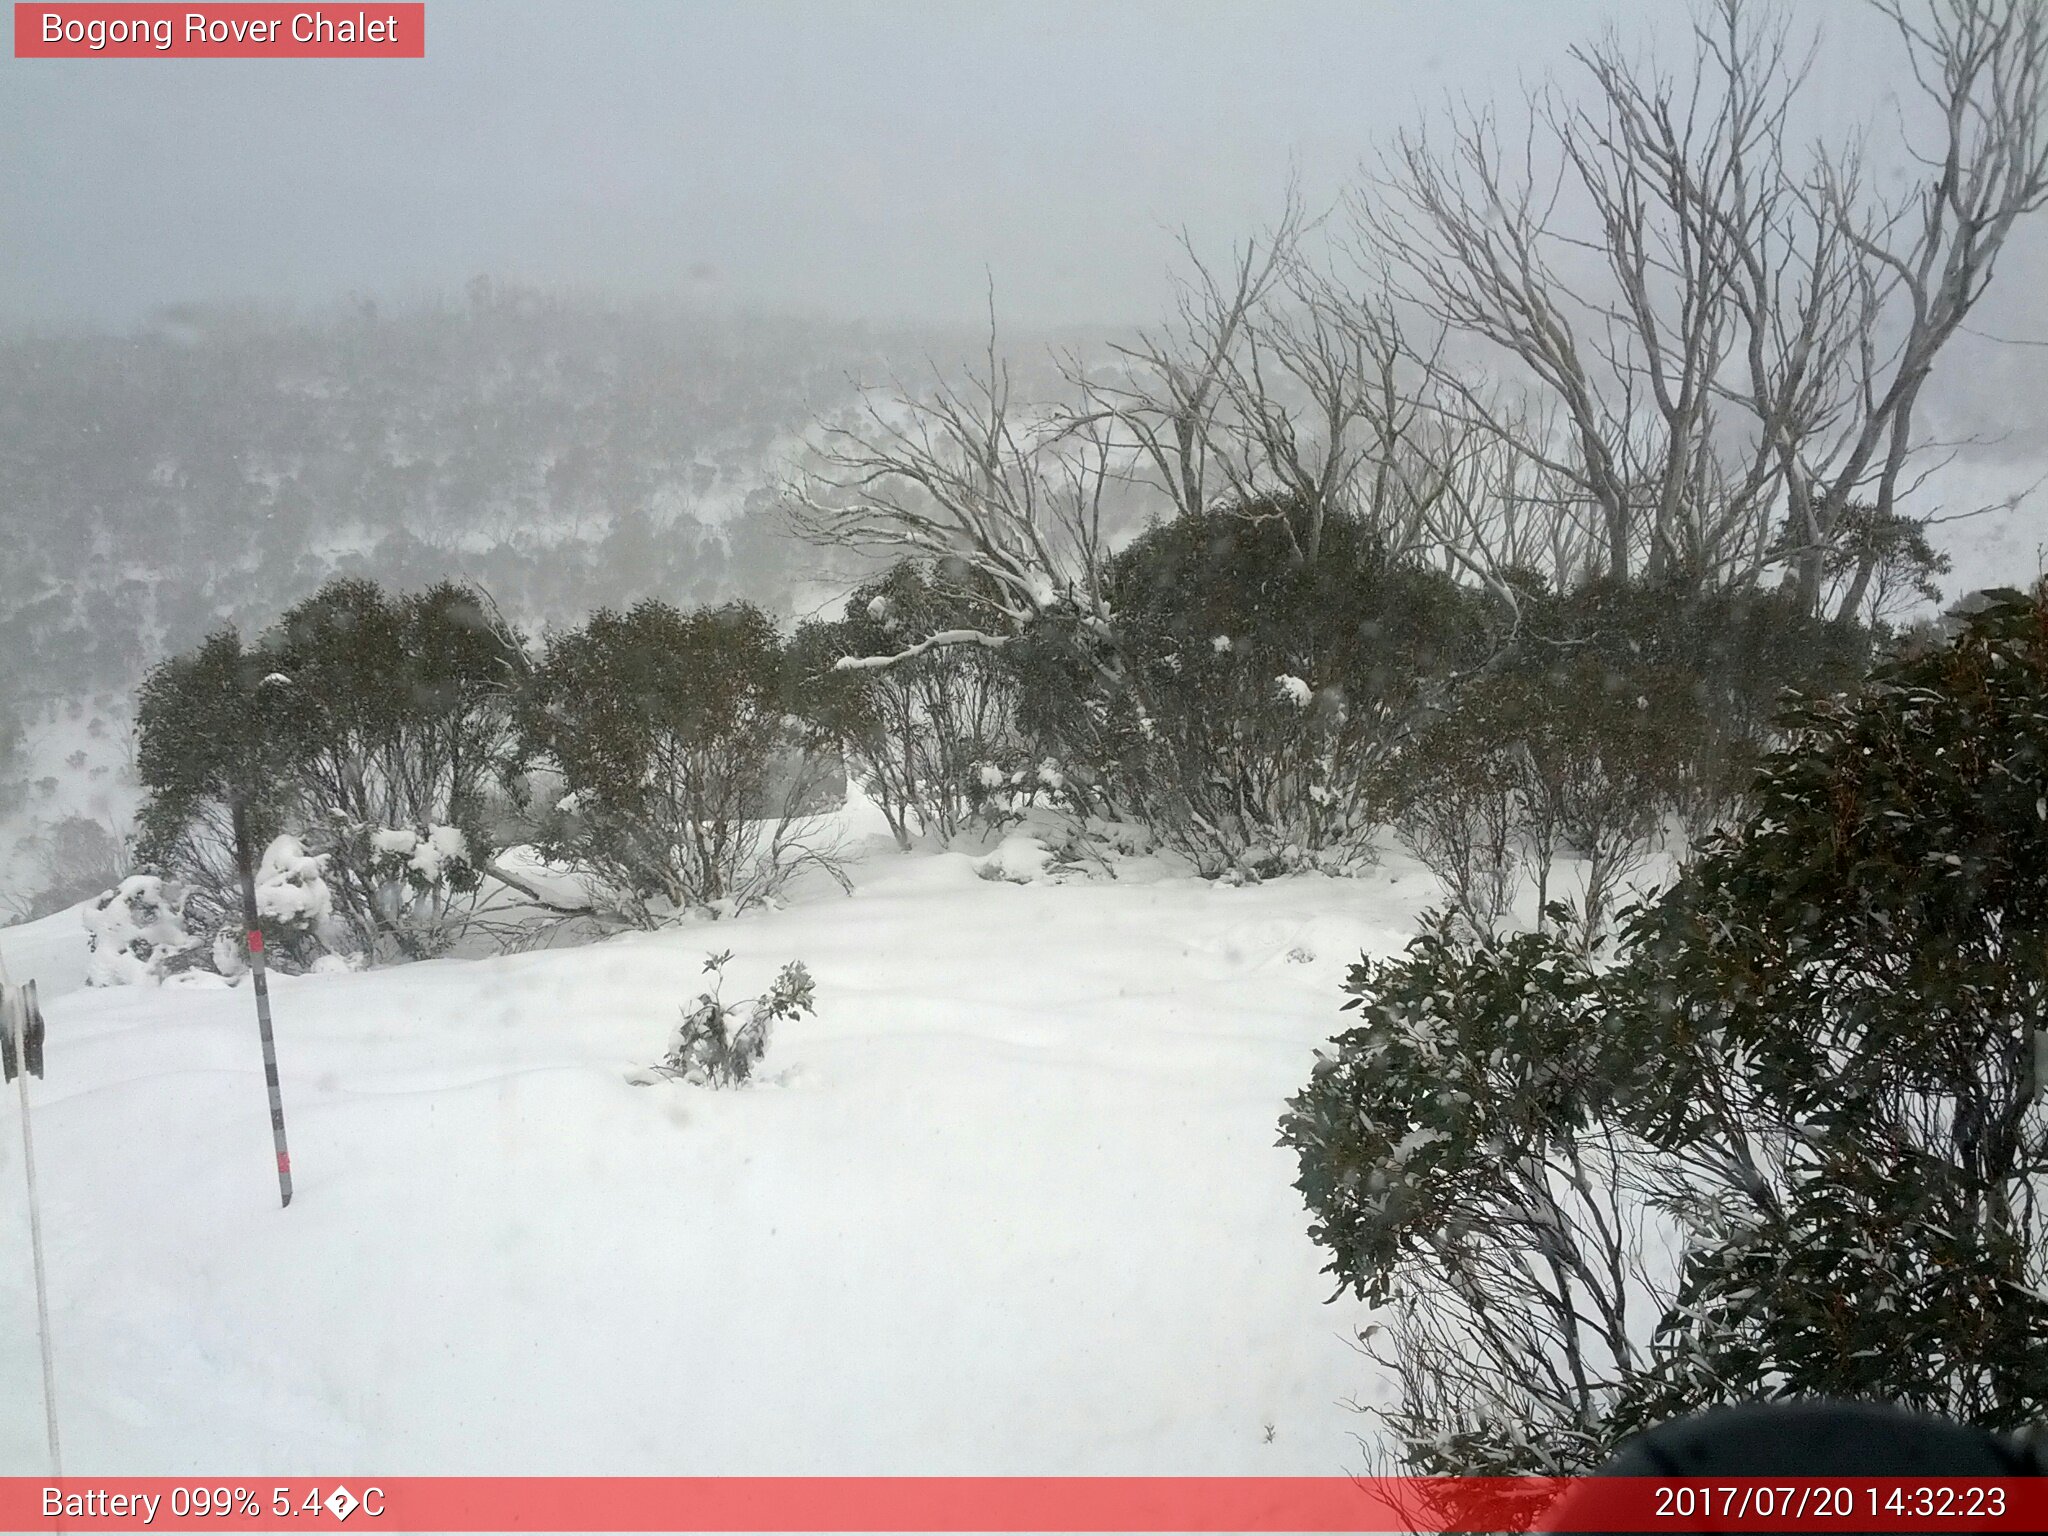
(1009, 1204)
(51, 951)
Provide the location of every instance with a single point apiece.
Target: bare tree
(1187, 409)
(963, 476)
(1981, 66)
(1744, 338)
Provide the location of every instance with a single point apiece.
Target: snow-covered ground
(1009, 1204)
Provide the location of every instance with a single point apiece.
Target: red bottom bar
(1005, 1504)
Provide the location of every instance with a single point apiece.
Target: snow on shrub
(136, 931)
(418, 876)
(291, 888)
(295, 907)
(229, 956)
(1019, 858)
(421, 860)
(718, 1044)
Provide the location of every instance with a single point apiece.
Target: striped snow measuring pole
(254, 931)
(22, 1023)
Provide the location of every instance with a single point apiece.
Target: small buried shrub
(718, 1044)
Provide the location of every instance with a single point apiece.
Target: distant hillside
(220, 465)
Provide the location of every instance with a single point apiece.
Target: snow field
(1009, 1205)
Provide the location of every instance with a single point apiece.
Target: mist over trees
(563, 452)
(1636, 333)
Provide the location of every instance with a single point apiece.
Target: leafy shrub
(1603, 756)
(1260, 692)
(1465, 805)
(1812, 1071)
(400, 714)
(1619, 711)
(1717, 659)
(917, 732)
(684, 769)
(358, 715)
(1460, 1155)
(718, 1044)
(1863, 966)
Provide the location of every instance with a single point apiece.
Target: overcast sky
(886, 159)
(879, 159)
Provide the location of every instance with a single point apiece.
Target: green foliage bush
(684, 765)
(918, 733)
(358, 715)
(1619, 713)
(1812, 1071)
(1259, 691)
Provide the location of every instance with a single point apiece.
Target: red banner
(248, 31)
(1007, 1504)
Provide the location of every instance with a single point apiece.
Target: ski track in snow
(1009, 1204)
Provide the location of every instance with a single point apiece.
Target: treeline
(1679, 384)
(1258, 708)
(1262, 713)
(662, 760)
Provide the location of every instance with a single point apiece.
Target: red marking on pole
(255, 940)
(284, 1162)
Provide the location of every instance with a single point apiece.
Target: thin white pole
(16, 1023)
